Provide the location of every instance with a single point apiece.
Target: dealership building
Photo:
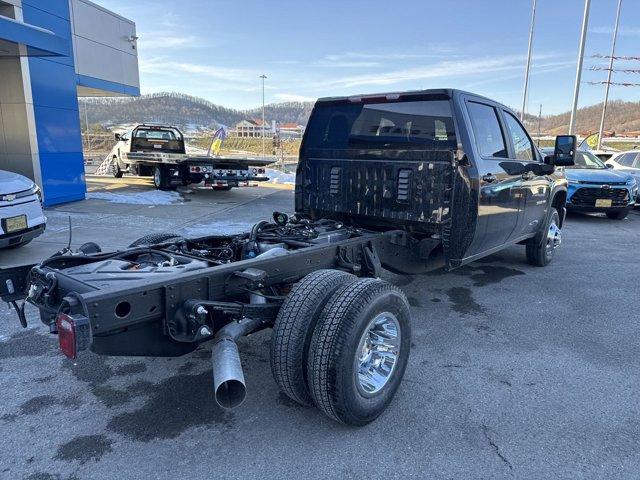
(52, 52)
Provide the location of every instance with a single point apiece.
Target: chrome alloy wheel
(156, 177)
(554, 237)
(377, 353)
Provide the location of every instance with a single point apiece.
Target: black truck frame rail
(170, 313)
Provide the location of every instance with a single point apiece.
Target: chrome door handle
(489, 178)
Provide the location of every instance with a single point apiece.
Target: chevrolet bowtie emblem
(9, 198)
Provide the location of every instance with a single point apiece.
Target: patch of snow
(276, 176)
(152, 197)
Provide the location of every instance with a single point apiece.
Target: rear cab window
(399, 130)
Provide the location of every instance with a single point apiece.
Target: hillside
(184, 110)
(621, 117)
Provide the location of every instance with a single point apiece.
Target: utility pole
(583, 41)
(526, 71)
(606, 90)
(86, 121)
(539, 122)
(263, 77)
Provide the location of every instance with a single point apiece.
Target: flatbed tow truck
(407, 182)
(160, 151)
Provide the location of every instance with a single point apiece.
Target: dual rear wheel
(342, 344)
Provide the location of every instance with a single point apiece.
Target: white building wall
(104, 46)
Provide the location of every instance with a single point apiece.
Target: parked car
(21, 215)
(593, 187)
(627, 162)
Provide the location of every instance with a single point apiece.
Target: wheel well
(558, 202)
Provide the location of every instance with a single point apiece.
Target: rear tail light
(74, 334)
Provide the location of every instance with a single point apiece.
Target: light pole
(526, 71)
(263, 77)
(606, 90)
(576, 89)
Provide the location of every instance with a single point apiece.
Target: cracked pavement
(515, 372)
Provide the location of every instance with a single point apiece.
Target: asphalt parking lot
(515, 371)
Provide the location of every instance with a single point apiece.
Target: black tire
(618, 215)
(115, 168)
(540, 252)
(336, 346)
(161, 178)
(155, 239)
(293, 329)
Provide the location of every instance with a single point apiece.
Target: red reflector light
(74, 334)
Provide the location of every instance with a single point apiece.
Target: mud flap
(460, 230)
(13, 283)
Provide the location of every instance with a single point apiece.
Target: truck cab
(446, 165)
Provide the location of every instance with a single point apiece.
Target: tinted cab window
(486, 130)
(523, 148)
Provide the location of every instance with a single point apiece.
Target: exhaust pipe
(228, 378)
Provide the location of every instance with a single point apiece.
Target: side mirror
(118, 137)
(564, 155)
(608, 165)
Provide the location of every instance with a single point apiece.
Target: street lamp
(606, 91)
(263, 77)
(576, 89)
(526, 71)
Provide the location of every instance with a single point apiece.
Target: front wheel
(540, 253)
(359, 351)
(115, 168)
(618, 215)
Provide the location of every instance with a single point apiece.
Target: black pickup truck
(407, 182)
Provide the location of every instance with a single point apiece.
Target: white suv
(21, 215)
(627, 162)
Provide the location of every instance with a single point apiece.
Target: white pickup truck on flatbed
(159, 151)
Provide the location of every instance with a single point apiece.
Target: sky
(310, 49)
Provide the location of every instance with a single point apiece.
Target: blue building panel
(58, 130)
(41, 41)
(98, 83)
(50, 84)
(55, 104)
(59, 26)
(61, 178)
(59, 8)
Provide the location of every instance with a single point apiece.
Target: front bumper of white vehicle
(29, 206)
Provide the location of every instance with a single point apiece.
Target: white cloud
(292, 97)
(622, 31)
(154, 41)
(443, 69)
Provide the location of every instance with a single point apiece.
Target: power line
(618, 84)
(616, 57)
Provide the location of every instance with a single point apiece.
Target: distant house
(252, 128)
(291, 130)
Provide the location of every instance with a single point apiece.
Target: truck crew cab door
(500, 198)
(532, 188)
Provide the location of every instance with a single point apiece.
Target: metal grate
(404, 185)
(587, 196)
